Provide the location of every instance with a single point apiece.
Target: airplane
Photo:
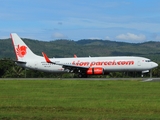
(82, 66)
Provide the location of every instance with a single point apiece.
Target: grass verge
(85, 100)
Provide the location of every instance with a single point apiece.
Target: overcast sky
(118, 20)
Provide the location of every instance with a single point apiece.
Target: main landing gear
(82, 75)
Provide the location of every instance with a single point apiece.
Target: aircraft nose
(154, 64)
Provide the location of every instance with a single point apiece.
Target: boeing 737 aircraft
(83, 66)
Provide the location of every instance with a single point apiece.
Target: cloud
(131, 36)
(107, 38)
(59, 36)
(155, 37)
(95, 38)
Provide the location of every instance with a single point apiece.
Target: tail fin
(22, 51)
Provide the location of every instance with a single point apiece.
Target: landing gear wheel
(81, 75)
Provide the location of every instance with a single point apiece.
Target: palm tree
(15, 72)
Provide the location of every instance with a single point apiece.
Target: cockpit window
(147, 60)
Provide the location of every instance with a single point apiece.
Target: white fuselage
(109, 64)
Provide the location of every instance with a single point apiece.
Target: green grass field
(79, 99)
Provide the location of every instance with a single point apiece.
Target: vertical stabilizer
(22, 51)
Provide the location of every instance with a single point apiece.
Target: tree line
(8, 69)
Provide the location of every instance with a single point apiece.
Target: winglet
(75, 56)
(46, 58)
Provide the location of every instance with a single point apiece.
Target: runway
(105, 79)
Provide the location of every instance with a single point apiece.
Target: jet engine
(95, 71)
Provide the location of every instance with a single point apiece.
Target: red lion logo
(21, 51)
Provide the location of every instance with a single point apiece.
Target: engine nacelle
(95, 71)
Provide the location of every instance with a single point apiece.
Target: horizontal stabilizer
(20, 62)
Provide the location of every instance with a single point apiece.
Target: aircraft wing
(63, 65)
(73, 66)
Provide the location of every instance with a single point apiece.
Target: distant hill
(67, 48)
